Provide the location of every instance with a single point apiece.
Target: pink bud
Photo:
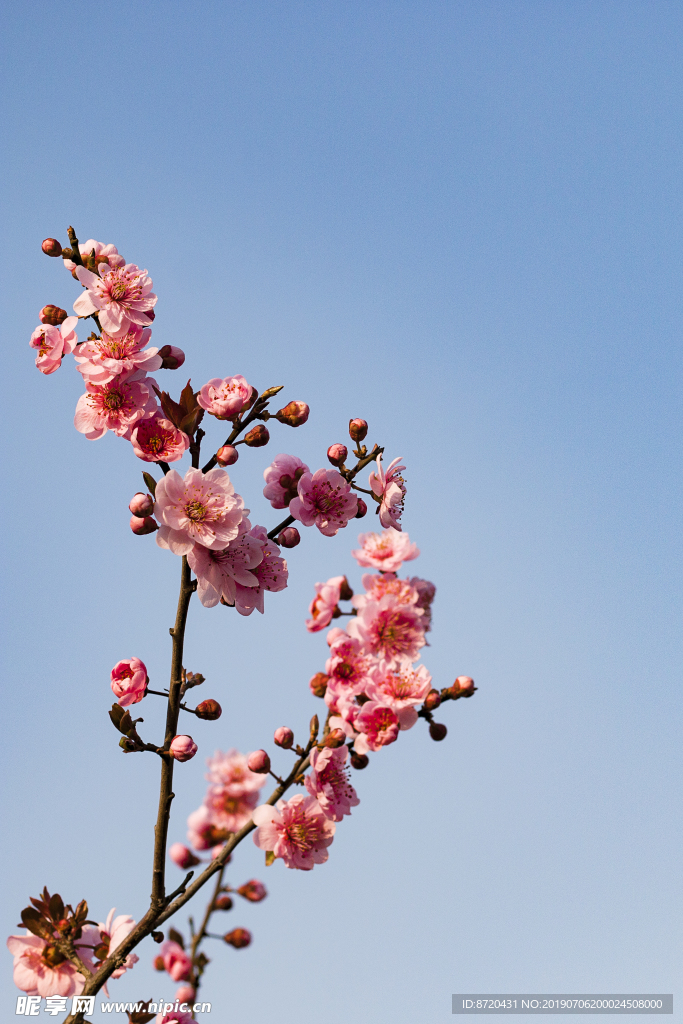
(362, 509)
(227, 455)
(284, 737)
(318, 684)
(437, 731)
(259, 762)
(335, 738)
(171, 356)
(51, 247)
(359, 761)
(209, 710)
(223, 902)
(432, 700)
(357, 429)
(53, 315)
(142, 526)
(294, 414)
(257, 436)
(464, 685)
(289, 537)
(238, 937)
(253, 891)
(185, 994)
(183, 748)
(141, 504)
(337, 453)
(181, 856)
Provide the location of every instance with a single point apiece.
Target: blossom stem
(280, 526)
(197, 939)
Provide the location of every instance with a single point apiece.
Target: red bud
(223, 903)
(238, 937)
(259, 762)
(437, 731)
(318, 684)
(357, 429)
(257, 436)
(53, 315)
(337, 454)
(209, 710)
(359, 761)
(432, 700)
(141, 526)
(289, 537)
(51, 247)
(362, 509)
(227, 455)
(294, 414)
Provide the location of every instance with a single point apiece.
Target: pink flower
(112, 934)
(203, 831)
(385, 583)
(391, 488)
(157, 440)
(271, 574)
(185, 994)
(37, 969)
(53, 343)
(176, 961)
(282, 479)
(329, 782)
(176, 1016)
(224, 398)
(183, 857)
(183, 748)
(219, 572)
(296, 830)
(426, 592)
(401, 687)
(385, 551)
(349, 668)
(115, 406)
(101, 359)
(378, 726)
(324, 500)
(323, 604)
(389, 630)
(129, 681)
(121, 296)
(259, 762)
(230, 799)
(108, 252)
(201, 509)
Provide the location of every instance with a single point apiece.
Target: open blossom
(99, 360)
(325, 500)
(53, 343)
(158, 440)
(218, 572)
(112, 933)
(121, 296)
(129, 681)
(282, 479)
(378, 725)
(176, 961)
(376, 586)
(231, 797)
(349, 667)
(390, 487)
(401, 687)
(40, 970)
(201, 509)
(204, 833)
(224, 398)
(296, 830)
(329, 782)
(271, 573)
(323, 604)
(103, 253)
(389, 630)
(116, 406)
(385, 551)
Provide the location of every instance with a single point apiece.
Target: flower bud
(437, 731)
(253, 891)
(183, 857)
(159, 964)
(185, 994)
(432, 700)
(318, 684)
(227, 455)
(359, 761)
(183, 748)
(141, 526)
(141, 504)
(284, 737)
(463, 686)
(223, 902)
(259, 762)
(357, 430)
(345, 592)
(238, 937)
(289, 537)
(171, 356)
(294, 413)
(335, 738)
(337, 453)
(51, 247)
(53, 315)
(257, 436)
(209, 710)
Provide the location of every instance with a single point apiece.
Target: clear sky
(461, 221)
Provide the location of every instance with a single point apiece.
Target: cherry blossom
(282, 479)
(99, 360)
(116, 406)
(201, 509)
(401, 687)
(378, 726)
(39, 969)
(176, 961)
(120, 296)
(230, 799)
(349, 668)
(325, 500)
(389, 630)
(182, 748)
(112, 934)
(386, 551)
(158, 440)
(390, 487)
(271, 574)
(296, 831)
(224, 398)
(323, 604)
(219, 572)
(204, 832)
(108, 253)
(129, 681)
(329, 782)
(53, 343)
(181, 856)
(376, 586)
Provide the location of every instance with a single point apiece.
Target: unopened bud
(223, 902)
(184, 994)
(437, 731)
(362, 509)
(259, 762)
(183, 857)
(284, 737)
(209, 710)
(464, 686)
(254, 891)
(238, 937)
(318, 684)
(335, 738)
(337, 453)
(359, 761)
(257, 436)
(227, 455)
(53, 315)
(51, 247)
(141, 526)
(357, 430)
(183, 748)
(345, 592)
(171, 356)
(314, 727)
(141, 504)
(432, 700)
(294, 413)
(289, 537)
(159, 964)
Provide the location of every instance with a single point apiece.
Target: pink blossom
(349, 667)
(325, 500)
(282, 479)
(176, 961)
(183, 748)
(376, 586)
(129, 681)
(185, 994)
(426, 592)
(101, 359)
(53, 343)
(224, 398)
(284, 737)
(378, 726)
(112, 934)
(201, 509)
(323, 604)
(385, 551)
(334, 634)
(232, 795)
(181, 856)
(219, 572)
(401, 687)
(158, 440)
(271, 574)
(176, 1016)
(259, 762)
(230, 771)
(329, 782)
(115, 406)
(296, 830)
(389, 630)
(391, 488)
(108, 251)
(203, 831)
(121, 296)
(36, 975)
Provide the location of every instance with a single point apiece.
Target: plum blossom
(53, 343)
(389, 630)
(349, 668)
(282, 479)
(176, 961)
(181, 856)
(271, 574)
(204, 833)
(39, 969)
(121, 296)
(325, 500)
(182, 748)
(99, 360)
(378, 726)
(322, 606)
(224, 398)
(385, 551)
(296, 831)
(230, 799)
(329, 782)
(401, 687)
(112, 934)
(376, 586)
(129, 681)
(158, 440)
(116, 406)
(201, 509)
(390, 487)
(103, 253)
(219, 572)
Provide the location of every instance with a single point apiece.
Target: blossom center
(196, 511)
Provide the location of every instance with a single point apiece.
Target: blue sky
(461, 221)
